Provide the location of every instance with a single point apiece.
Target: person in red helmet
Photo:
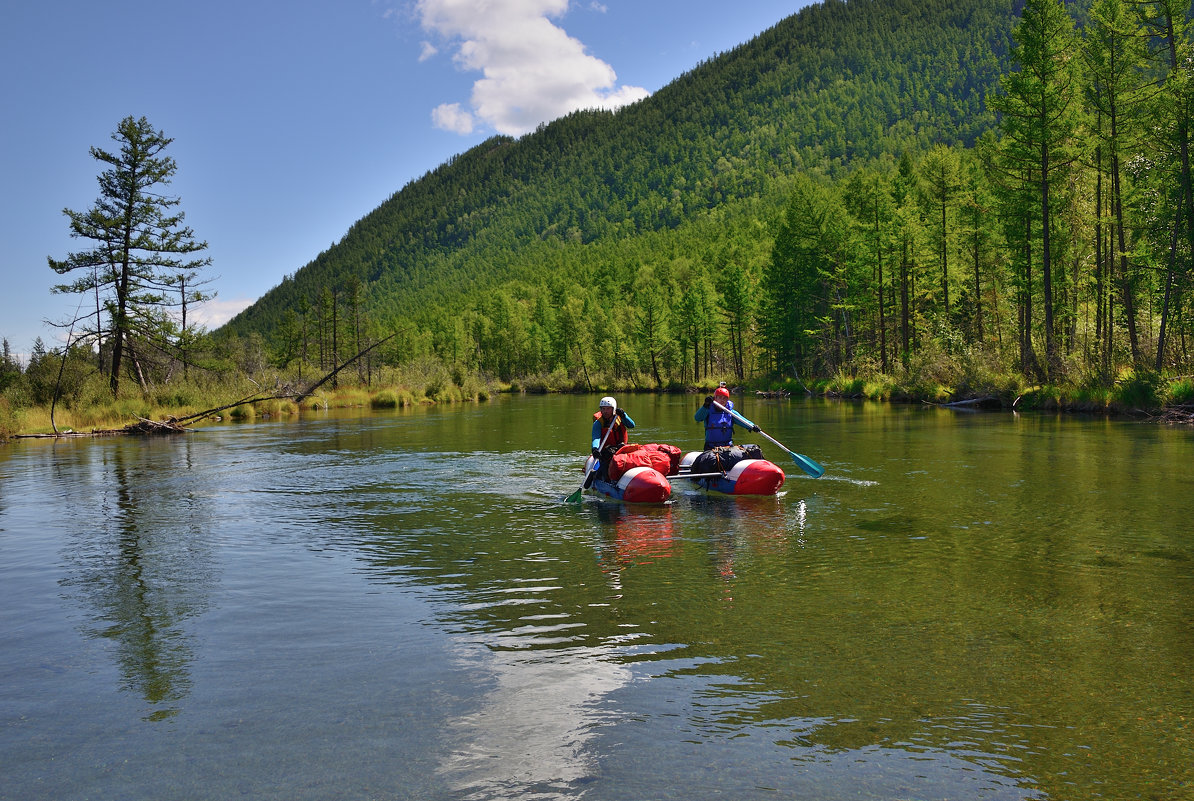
(719, 423)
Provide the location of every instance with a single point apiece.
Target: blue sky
(293, 120)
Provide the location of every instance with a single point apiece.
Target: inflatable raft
(636, 485)
(643, 473)
(746, 477)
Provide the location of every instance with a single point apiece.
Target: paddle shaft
(612, 422)
(806, 464)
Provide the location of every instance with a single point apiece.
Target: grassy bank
(1141, 393)
(86, 404)
(116, 414)
(1131, 392)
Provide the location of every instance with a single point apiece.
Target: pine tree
(1114, 52)
(140, 245)
(939, 182)
(1040, 117)
(1170, 23)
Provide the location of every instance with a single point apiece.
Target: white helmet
(608, 401)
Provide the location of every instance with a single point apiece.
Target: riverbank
(1143, 394)
(115, 416)
(1138, 395)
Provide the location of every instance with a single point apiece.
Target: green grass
(1181, 391)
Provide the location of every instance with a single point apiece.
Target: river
(398, 605)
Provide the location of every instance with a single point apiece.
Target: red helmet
(721, 392)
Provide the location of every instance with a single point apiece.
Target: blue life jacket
(719, 428)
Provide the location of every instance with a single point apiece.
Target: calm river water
(399, 606)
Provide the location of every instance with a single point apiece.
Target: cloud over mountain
(532, 70)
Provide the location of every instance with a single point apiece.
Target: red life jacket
(619, 436)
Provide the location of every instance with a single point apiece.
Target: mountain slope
(834, 85)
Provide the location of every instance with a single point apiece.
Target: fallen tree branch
(191, 418)
(178, 425)
(303, 396)
(299, 398)
(983, 401)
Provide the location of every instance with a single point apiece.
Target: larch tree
(653, 323)
(803, 311)
(1172, 31)
(868, 198)
(141, 252)
(736, 304)
(1114, 51)
(940, 180)
(908, 235)
(1040, 116)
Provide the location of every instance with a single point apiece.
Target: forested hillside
(837, 194)
(689, 179)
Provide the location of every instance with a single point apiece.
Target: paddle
(584, 482)
(806, 464)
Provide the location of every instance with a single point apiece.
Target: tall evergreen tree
(908, 235)
(804, 312)
(10, 368)
(1039, 109)
(736, 303)
(653, 324)
(978, 232)
(1114, 51)
(869, 200)
(1171, 25)
(939, 182)
(141, 247)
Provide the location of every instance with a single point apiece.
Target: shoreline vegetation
(955, 221)
(1141, 395)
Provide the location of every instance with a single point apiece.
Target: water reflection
(140, 562)
(533, 733)
(634, 535)
(923, 627)
(979, 609)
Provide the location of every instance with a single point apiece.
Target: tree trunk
(119, 324)
(1170, 292)
(944, 252)
(882, 313)
(904, 312)
(1187, 187)
(978, 289)
(1052, 358)
(1129, 302)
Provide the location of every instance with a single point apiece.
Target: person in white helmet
(609, 418)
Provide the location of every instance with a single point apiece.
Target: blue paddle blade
(807, 465)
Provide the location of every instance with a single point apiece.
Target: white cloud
(533, 71)
(451, 117)
(214, 313)
(428, 51)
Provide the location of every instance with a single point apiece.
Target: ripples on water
(403, 607)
